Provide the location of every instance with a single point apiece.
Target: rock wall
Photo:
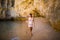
(48, 8)
(4, 6)
(24, 7)
(51, 9)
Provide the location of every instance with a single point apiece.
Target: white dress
(30, 22)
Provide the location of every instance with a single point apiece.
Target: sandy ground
(42, 30)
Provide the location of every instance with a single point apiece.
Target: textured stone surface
(48, 8)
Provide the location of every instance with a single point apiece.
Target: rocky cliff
(48, 8)
(51, 10)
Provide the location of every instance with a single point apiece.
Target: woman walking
(30, 23)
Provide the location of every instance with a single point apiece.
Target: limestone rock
(48, 8)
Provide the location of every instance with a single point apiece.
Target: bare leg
(31, 31)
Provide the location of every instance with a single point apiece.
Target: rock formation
(50, 9)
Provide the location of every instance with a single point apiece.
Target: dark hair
(30, 14)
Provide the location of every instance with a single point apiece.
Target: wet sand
(42, 30)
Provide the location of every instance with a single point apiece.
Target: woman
(30, 22)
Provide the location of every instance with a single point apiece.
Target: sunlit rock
(24, 7)
(51, 10)
(48, 8)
